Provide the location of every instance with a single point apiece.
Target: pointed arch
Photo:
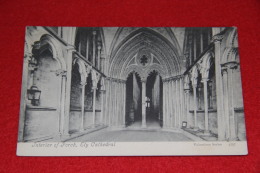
(48, 42)
(150, 40)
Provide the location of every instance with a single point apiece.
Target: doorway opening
(154, 99)
(133, 100)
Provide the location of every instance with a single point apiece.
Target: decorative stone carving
(217, 38)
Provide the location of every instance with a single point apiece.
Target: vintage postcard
(131, 91)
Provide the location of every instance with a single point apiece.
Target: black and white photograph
(104, 91)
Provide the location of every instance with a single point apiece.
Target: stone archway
(144, 52)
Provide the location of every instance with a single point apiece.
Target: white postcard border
(131, 148)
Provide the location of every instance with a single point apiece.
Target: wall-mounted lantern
(34, 95)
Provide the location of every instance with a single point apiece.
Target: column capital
(83, 83)
(194, 85)
(143, 80)
(194, 82)
(205, 80)
(217, 38)
(224, 70)
(70, 47)
(60, 72)
(186, 91)
(230, 65)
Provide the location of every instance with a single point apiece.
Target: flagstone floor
(125, 135)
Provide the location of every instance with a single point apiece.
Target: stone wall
(41, 122)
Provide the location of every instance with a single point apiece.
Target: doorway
(133, 100)
(154, 100)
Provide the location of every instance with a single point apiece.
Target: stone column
(63, 75)
(94, 88)
(164, 101)
(205, 88)
(219, 88)
(226, 102)
(166, 105)
(69, 58)
(233, 124)
(124, 102)
(143, 104)
(83, 84)
(102, 63)
(98, 56)
(102, 94)
(176, 104)
(187, 101)
(194, 86)
(171, 103)
(94, 48)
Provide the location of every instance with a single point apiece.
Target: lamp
(34, 95)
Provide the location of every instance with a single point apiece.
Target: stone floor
(151, 123)
(200, 133)
(125, 135)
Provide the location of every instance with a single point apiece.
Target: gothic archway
(154, 99)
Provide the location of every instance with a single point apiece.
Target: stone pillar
(143, 104)
(62, 100)
(194, 82)
(102, 95)
(94, 105)
(195, 106)
(94, 48)
(83, 84)
(124, 102)
(176, 105)
(219, 88)
(98, 56)
(205, 88)
(166, 105)
(164, 101)
(187, 102)
(233, 122)
(172, 103)
(70, 49)
(102, 63)
(226, 103)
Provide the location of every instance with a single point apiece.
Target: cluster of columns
(84, 72)
(201, 67)
(115, 102)
(228, 70)
(173, 102)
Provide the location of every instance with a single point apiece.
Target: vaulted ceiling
(164, 44)
(115, 35)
